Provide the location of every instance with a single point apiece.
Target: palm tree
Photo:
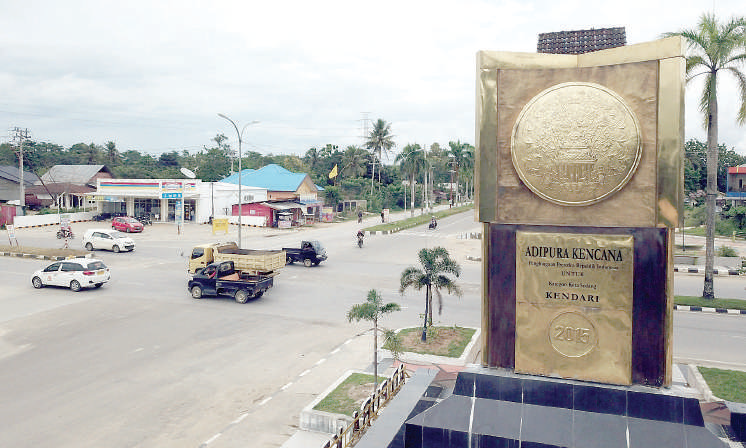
(371, 310)
(412, 162)
(379, 143)
(714, 47)
(437, 264)
(456, 156)
(354, 161)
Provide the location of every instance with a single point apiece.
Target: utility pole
(19, 136)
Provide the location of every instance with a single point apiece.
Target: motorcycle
(360, 238)
(433, 224)
(65, 232)
(145, 220)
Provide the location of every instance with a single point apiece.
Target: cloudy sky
(153, 75)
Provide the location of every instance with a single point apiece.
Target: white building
(162, 198)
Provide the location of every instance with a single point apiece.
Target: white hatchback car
(73, 273)
(107, 239)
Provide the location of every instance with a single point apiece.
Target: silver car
(107, 239)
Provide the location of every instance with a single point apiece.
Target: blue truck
(221, 279)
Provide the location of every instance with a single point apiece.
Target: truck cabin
(223, 271)
(313, 245)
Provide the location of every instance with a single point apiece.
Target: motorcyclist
(433, 223)
(360, 236)
(359, 216)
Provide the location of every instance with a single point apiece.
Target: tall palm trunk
(411, 183)
(375, 354)
(427, 307)
(708, 291)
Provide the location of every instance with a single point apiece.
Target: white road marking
(320, 361)
(347, 341)
(265, 401)
(239, 419)
(305, 372)
(335, 351)
(286, 386)
(212, 439)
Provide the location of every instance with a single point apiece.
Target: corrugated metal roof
(272, 177)
(72, 174)
(12, 173)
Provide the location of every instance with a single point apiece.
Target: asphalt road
(139, 363)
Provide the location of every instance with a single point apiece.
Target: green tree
(380, 142)
(332, 196)
(355, 161)
(412, 161)
(372, 310)
(112, 155)
(435, 275)
(714, 46)
(461, 157)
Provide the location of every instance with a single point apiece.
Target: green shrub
(726, 251)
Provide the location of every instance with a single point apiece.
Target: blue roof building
(281, 184)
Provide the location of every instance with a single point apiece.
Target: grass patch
(725, 384)
(349, 395)
(419, 220)
(441, 341)
(50, 251)
(734, 304)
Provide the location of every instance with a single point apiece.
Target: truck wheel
(257, 295)
(241, 296)
(307, 262)
(289, 260)
(196, 292)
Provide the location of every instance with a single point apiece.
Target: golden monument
(579, 185)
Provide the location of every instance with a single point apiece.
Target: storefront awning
(282, 205)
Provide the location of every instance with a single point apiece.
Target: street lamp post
(240, 197)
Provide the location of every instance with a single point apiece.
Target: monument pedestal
(493, 408)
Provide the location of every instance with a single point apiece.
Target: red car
(126, 224)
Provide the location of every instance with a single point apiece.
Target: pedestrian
(382, 220)
(359, 216)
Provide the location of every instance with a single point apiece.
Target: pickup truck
(221, 279)
(258, 262)
(310, 253)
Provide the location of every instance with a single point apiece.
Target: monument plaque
(574, 295)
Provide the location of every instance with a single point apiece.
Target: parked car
(107, 239)
(74, 273)
(126, 224)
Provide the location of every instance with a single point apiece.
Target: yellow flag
(333, 172)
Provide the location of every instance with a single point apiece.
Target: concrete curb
(37, 257)
(467, 357)
(705, 309)
(700, 270)
(695, 379)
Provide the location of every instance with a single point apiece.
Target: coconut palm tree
(380, 142)
(412, 161)
(371, 310)
(714, 46)
(354, 161)
(437, 266)
(458, 154)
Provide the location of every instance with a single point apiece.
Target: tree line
(370, 171)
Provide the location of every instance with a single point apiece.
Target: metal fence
(362, 419)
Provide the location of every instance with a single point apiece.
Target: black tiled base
(492, 408)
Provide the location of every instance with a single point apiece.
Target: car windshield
(131, 220)
(118, 234)
(94, 265)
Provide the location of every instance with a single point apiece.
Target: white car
(74, 273)
(107, 239)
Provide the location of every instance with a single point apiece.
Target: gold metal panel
(633, 205)
(671, 87)
(576, 143)
(574, 296)
(547, 337)
(504, 200)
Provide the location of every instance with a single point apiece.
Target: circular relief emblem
(572, 334)
(576, 144)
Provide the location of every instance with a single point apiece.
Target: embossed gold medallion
(574, 297)
(576, 144)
